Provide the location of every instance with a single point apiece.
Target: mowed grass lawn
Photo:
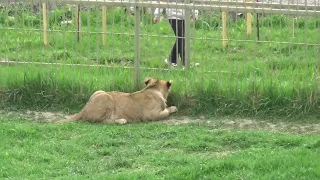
(35, 150)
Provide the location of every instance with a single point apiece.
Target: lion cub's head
(162, 85)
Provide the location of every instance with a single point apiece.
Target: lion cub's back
(130, 106)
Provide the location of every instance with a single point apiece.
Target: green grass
(247, 78)
(155, 43)
(34, 150)
(68, 88)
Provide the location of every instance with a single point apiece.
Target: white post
(187, 35)
(137, 45)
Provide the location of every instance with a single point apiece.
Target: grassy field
(34, 150)
(274, 79)
(278, 76)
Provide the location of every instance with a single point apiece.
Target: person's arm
(157, 13)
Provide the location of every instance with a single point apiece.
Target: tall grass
(247, 78)
(69, 88)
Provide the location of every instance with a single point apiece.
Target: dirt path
(251, 124)
(238, 124)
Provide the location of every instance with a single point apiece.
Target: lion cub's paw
(173, 109)
(121, 121)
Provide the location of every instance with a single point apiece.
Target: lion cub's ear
(149, 82)
(169, 83)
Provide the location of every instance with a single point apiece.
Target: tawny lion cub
(148, 104)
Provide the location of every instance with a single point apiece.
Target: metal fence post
(137, 45)
(78, 21)
(187, 35)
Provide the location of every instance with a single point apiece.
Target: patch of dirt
(45, 116)
(249, 124)
(39, 116)
(242, 124)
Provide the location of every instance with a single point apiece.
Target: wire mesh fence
(239, 56)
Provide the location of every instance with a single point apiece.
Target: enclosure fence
(254, 52)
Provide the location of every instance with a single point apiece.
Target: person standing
(177, 22)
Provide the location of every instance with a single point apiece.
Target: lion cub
(148, 104)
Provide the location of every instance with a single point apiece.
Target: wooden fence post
(224, 29)
(249, 20)
(104, 25)
(45, 24)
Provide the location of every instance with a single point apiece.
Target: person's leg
(181, 40)
(173, 55)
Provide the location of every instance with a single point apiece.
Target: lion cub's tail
(75, 117)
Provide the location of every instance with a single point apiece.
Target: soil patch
(242, 124)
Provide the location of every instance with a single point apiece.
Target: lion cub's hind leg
(95, 94)
(116, 121)
(121, 121)
(98, 108)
